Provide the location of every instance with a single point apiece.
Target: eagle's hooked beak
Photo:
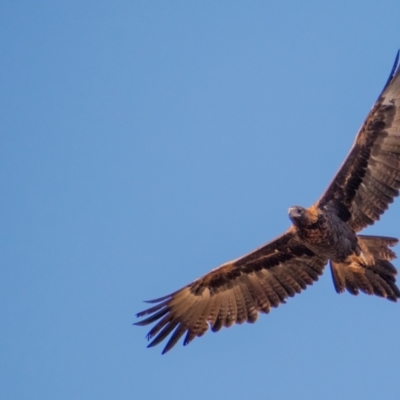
(295, 212)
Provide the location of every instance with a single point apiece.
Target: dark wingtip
(157, 300)
(152, 344)
(167, 297)
(139, 323)
(395, 65)
(394, 70)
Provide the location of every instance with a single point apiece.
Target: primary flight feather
(359, 194)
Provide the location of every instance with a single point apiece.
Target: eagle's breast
(327, 235)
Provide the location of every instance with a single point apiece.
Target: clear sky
(143, 143)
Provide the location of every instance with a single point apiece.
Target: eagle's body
(323, 232)
(365, 185)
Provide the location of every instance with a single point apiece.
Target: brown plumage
(361, 191)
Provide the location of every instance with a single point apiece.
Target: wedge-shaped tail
(371, 271)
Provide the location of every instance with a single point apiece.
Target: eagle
(328, 231)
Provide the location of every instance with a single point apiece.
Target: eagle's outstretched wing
(235, 292)
(369, 178)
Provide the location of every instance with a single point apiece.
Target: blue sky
(143, 144)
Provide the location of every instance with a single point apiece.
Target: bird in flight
(358, 195)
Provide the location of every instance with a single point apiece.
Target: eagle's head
(302, 217)
(296, 214)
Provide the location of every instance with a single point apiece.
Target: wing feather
(220, 320)
(300, 276)
(249, 300)
(269, 298)
(262, 301)
(288, 284)
(178, 333)
(168, 328)
(241, 311)
(235, 292)
(277, 287)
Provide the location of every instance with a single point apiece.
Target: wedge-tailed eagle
(361, 191)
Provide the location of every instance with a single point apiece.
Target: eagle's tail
(371, 271)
